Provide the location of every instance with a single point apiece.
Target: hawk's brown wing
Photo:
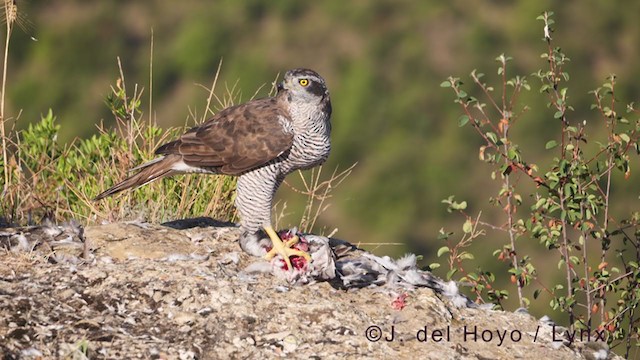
(237, 139)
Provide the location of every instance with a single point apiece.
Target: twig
(10, 11)
(208, 110)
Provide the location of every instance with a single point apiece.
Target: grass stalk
(10, 11)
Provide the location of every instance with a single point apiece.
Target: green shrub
(566, 206)
(58, 182)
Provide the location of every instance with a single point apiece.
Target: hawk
(261, 141)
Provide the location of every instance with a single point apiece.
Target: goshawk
(260, 141)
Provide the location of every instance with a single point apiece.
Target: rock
(203, 305)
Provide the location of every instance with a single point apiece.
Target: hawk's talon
(294, 240)
(283, 248)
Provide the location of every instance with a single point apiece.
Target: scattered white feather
(22, 243)
(31, 352)
(259, 267)
(185, 257)
(546, 320)
(230, 258)
(601, 354)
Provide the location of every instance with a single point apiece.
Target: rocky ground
(135, 290)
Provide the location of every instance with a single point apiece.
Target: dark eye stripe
(315, 88)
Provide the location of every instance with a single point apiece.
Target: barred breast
(312, 139)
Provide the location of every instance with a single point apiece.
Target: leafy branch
(571, 207)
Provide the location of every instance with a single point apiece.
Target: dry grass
(177, 197)
(317, 190)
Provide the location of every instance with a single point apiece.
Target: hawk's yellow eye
(304, 82)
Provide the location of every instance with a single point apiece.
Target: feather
(151, 171)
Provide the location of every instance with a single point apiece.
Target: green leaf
(466, 256)
(467, 227)
(451, 272)
(463, 120)
(624, 137)
(536, 293)
(574, 260)
(459, 205)
(550, 144)
(445, 84)
(443, 250)
(491, 136)
(539, 203)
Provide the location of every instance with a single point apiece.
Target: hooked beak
(280, 86)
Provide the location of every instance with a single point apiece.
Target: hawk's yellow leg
(283, 248)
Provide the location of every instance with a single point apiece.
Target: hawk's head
(304, 85)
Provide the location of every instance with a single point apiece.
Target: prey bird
(261, 141)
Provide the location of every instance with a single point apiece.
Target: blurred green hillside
(383, 62)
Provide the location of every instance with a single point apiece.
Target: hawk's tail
(149, 172)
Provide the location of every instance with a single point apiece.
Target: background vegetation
(383, 62)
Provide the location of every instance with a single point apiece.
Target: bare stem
(514, 256)
(151, 80)
(629, 331)
(208, 110)
(5, 159)
(506, 122)
(610, 124)
(565, 255)
(585, 259)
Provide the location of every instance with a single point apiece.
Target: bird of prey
(260, 141)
